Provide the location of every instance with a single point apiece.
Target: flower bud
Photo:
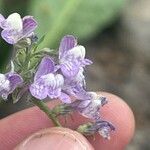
(63, 109)
(86, 129)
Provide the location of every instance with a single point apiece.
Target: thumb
(55, 138)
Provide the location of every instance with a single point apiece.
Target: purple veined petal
(54, 93)
(10, 36)
(29, 25)
(15, 80)
(38, 91)
(81, 94)
(67, 43)
(102, 123)
(91, 112)
(51, 80)
(54, 84)
(104, 128)
(64, 98)
(70, 68)
(80, 105)
(86, 62)
(45, 67)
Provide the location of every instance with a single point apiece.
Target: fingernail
(55, 138)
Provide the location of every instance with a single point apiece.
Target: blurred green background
(56, 18)
(116, 34)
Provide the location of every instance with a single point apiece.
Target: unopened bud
(63, 109)
(86, 129)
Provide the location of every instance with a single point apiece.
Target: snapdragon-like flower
(90, 105)
(16, 28)
(8, 83)
(75, 86)
(48, 83)
(104, 128)
(71, 56)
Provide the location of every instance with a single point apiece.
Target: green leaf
(83, 18)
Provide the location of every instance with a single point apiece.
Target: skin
(15, 128)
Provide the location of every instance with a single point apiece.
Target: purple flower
(75, 85)
(104, 128)
(48, 83)
(8, 83)
(89, 107)
(16, 28)
(71, 56)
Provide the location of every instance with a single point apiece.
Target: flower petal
(15, 22)
(46, 66)
(104, 128)
(67, 43)
(65, 98)
(77, 52)
(29, 25)
(15, 80)
(70, 68)
(54, 93)
(38, 91)
(80, 104)
(10, 36)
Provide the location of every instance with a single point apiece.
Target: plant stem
(47, 111)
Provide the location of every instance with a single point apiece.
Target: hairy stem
(47, 111)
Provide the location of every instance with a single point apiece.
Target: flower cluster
(61, 77)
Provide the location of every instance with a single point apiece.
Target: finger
(16, 127)
(55, 138)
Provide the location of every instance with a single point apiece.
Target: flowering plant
(41, 74)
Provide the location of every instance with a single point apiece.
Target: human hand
(17, 127)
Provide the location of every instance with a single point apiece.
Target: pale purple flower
(71, 56)
(104, 128)
(48, 83)
(75, 85)
(16, 28)
(89, 105)
(8, 83)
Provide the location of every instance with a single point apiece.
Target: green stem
(47, 111)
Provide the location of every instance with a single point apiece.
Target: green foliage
(83, 18)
